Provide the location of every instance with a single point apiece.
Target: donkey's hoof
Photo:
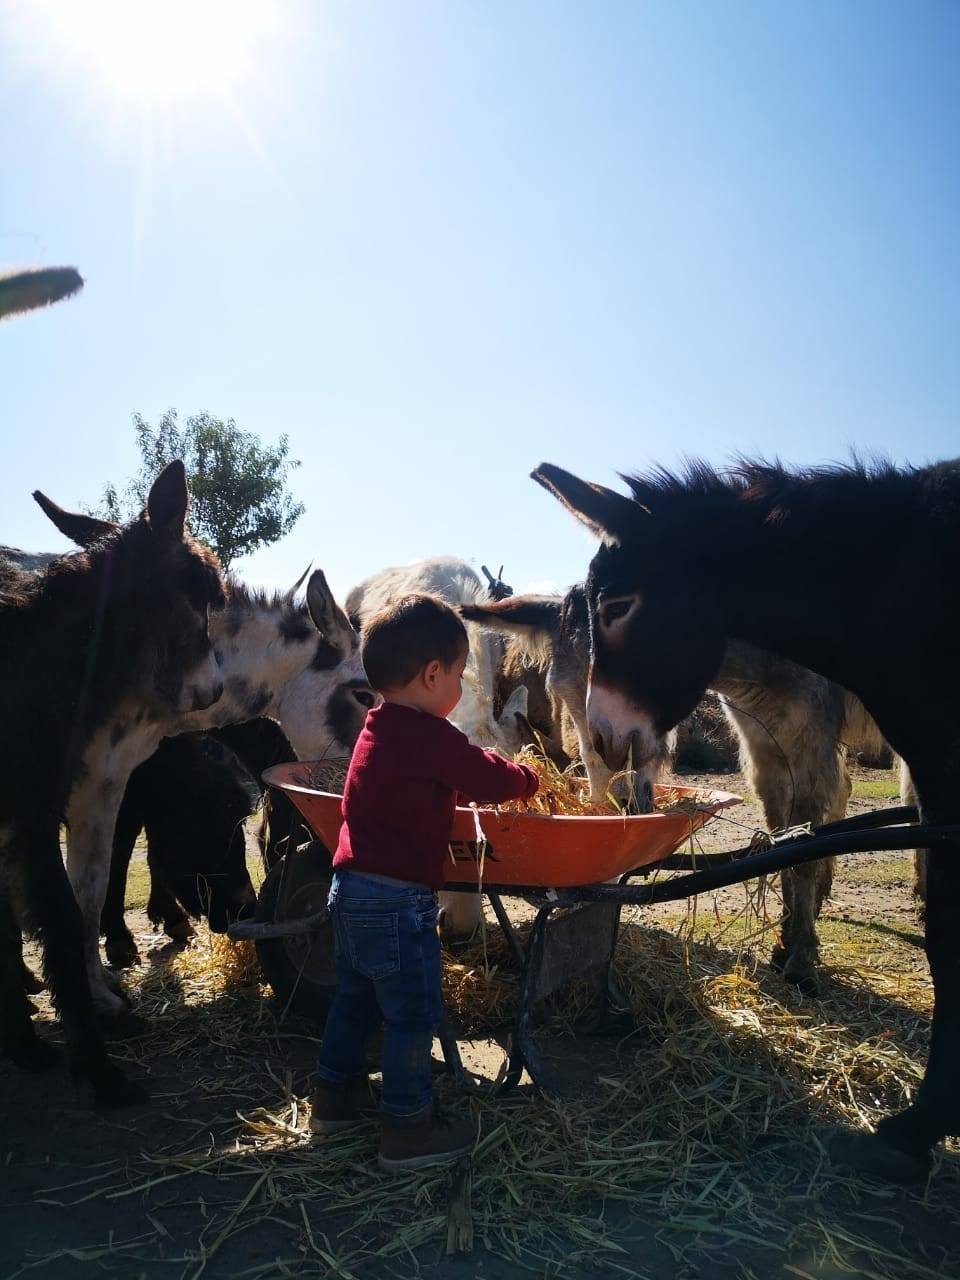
(110, 985)
(873, 1157)
(34, 1055)
(805, 980)
(179, 930)
(110, 1005)
(122, 952)
(799, 968)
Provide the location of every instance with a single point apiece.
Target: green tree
(238, 485)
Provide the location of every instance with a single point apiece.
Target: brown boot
(427, 1138)
(334, 1107)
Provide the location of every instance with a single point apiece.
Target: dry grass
(707, 1127)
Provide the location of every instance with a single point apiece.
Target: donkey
(120, 629)
(556, 637)
(296, 663)
(661, 564)
(454, 581)
(793, 728)
(193, 806)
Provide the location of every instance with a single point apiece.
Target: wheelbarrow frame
(585, 936)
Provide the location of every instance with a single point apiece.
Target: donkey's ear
(167, 501)
(612, 516)
(329, 619)
(535, 617)
(79, 528)
(36, 287)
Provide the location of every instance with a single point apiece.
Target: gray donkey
(793, 728)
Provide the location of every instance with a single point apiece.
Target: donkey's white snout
(616, 726)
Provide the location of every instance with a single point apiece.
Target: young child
(408, 766)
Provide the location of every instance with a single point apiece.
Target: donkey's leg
(820, 788)
(55, 914)
(908, 795)
(95, 799)
(804, 888)
(783, 946)
(807, 887)
(597, 771)
(18, 1039)
(91, 817)
(920, 882)
(772, 776)
(900, 1149)
(121, 948)
(162, 905)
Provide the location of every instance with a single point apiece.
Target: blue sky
(438, 242)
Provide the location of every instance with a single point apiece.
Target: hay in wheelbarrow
(560, 792)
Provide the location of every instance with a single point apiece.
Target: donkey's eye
(365, 697)
(613, 610)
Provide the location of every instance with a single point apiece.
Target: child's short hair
(405, 635)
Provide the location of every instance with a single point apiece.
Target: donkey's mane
(858, 490)
(245, 596)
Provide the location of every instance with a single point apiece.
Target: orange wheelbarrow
(584, 865)
(531, 855)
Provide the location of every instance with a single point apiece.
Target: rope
(773, 738)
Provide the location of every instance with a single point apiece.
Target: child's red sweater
(401, 791)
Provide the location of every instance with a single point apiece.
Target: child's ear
(431, 671)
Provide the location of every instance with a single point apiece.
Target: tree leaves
(238, 485)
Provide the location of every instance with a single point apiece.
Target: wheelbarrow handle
(745, 865)
(256, 930)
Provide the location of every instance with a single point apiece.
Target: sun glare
(164, 50)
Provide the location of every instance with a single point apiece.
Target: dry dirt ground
(690, 1143)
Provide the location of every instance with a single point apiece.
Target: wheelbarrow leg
(506, 924)
(559, 951)
(523, 1049)
(451, 1051)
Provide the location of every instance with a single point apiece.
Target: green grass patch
(138, 883)
(893, 871)
(873, 944)
(884, 787)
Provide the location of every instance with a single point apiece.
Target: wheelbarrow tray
(527, 849)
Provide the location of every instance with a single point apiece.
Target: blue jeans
(388, 971)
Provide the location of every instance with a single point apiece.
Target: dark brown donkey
(658, 587)
(125, 620)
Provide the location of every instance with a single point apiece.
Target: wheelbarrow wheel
(299, 968)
